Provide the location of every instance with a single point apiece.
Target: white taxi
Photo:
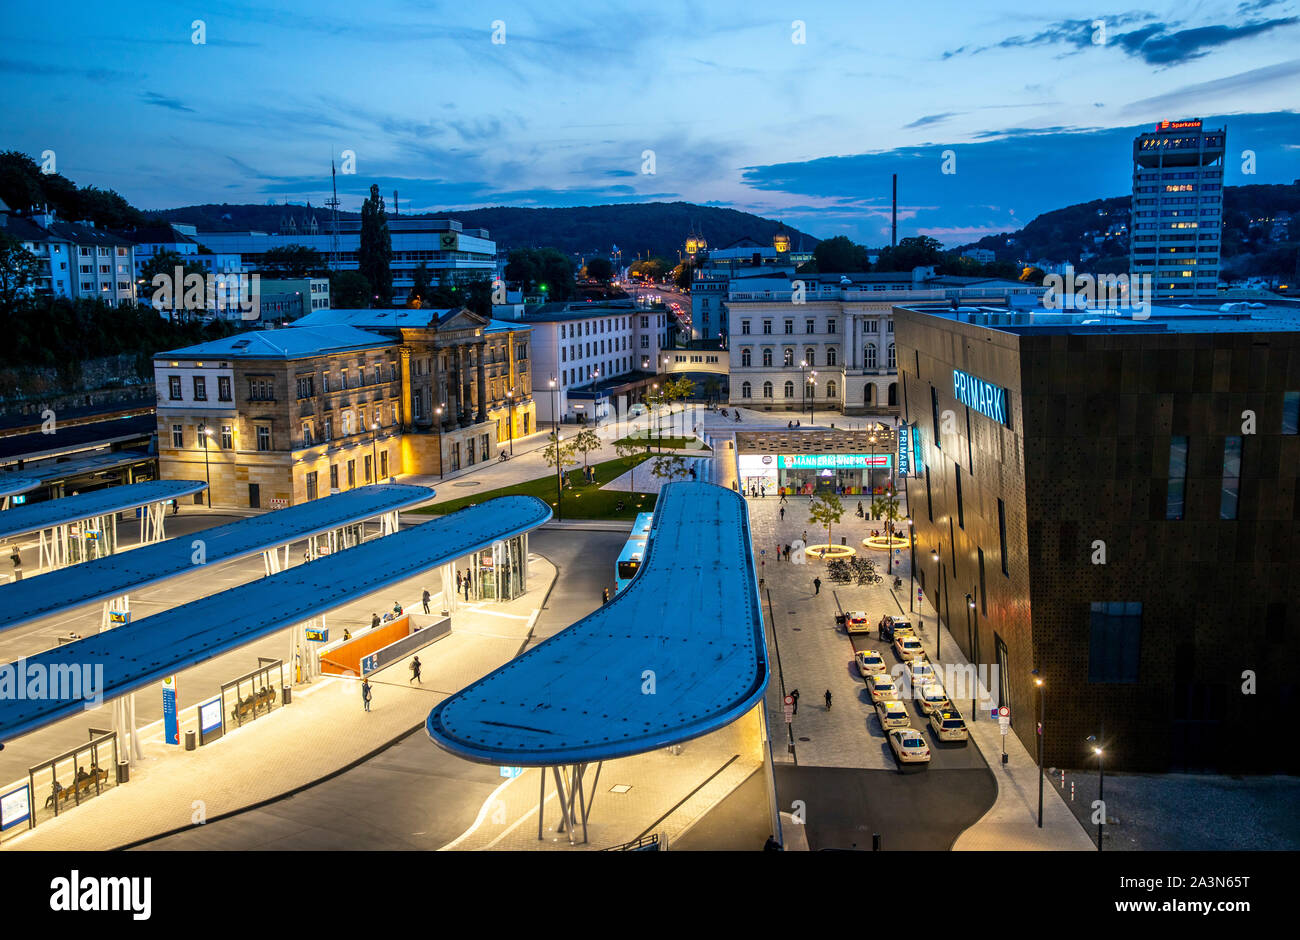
(932, 698)
(921, 672)
(948, 725)
(882, 687)
(892, 714)
(908, 746)
(870, 662)
(908, 647)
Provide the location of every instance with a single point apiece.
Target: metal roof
(146, 651)
(281, 344)
(15, 484)
(691, 616)
(101, 578)
(24, 520)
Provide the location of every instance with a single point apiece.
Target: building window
(893, 393)
(893, 360)
(767, 357)
(744, 327)
(262, 390)
(223, 388)
(200, 388)
(311, 485)
(830, 325)
(745, 389)
(767, 327)
(789, 390)
(306, 435)
(645, 341)
(789, 327)
(929, 497)
(810, 357)
(352, 474)
(365, 468)
(984, 594)
(174, 387)
(1002, 535)
(227, 437)
(1291, 413)
(831, 357)
(178, 436)
(869, 356)
(334, 476)
(1231, 477)
(934, 415)
(1115, 641)
(831, 389)
(810, 326)
(1174, 497)
(788, 359)
(767, 389)
(383, 463)
(745, 358)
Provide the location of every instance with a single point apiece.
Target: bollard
(875, 842)
(1071, 791)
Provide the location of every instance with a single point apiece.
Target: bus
(633, 553)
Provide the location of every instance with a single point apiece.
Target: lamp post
(374, 459)
(812, 397)
(938, 617)
(559, 484)
(654, 404)
(510, 405)
(975, 646)
(438, 412)
(911, 566)
(1101, 787)
(205, 432)
(1042, 728)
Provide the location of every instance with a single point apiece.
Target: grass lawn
(668, 443)
(581, 500)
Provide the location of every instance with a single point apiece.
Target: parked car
(932, 698)
(854, 621)
(892, 714)
(908, 746)
(891, 625)
(908, 647)
(948, 725)
(882, 686)
(921, 672)
(870, 662)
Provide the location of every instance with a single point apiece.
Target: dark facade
(1101, 534)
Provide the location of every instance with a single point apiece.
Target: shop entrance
(500, 573)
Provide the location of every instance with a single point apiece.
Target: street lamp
(1042, 723)
(510, 405)
(911, 565)
(205, 432)
(438, 412)
(938, 616)
(559, 485)
(975, 646)
(374, 460)
(1101, 787)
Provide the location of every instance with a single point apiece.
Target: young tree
(349, 290)
(669, 467)
(826, 510)
(375, 253)
(886, 508)
(629, 448)
(584, 443)
(166, 263)
(567, 457)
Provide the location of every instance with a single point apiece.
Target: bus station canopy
(24, 520)
(678, 653)
(138, 654)
(68, 588)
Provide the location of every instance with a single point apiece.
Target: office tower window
(1176, 493)
(1002, 535)
(929, 497)
(1291, 413)
(934, 415)
(1231, 477)
(1115, 641)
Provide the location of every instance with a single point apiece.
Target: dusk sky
(1038, 114)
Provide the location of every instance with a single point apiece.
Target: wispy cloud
(162, 101)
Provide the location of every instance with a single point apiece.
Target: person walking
(365, 693)
(828, 699)
(426, 600)
(817, 586)
(804, 537)
(783, 496)
(794, 695)
(783, 514)
(467, 580)
(458, 580)
(787, 553)
(374, 620)
(415, 672)
(861, 512)
(17, 561)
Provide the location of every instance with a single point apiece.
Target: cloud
(1157, 46)
(1251, 81)
(17, 67)
(162, 101)
(930, 119)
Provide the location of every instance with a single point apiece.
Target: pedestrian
(794, 695)
(860, 510)
(347, 634)
(17, 561)
(176, 506)
(374, 620)
(817, 586)
(415, 672)
(467, 579)
(365, 693)
(604, 596)
(828, 699)
(762, 492)
(804, 537)
(593, 476)
(458, 580)
(397, 609)
(787, 553)
(782, 513)
(771, 845)
(426, 600)
(694, 474)
(783, 494)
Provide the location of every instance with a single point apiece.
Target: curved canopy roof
(138, 654)
(15, 484)
(24, 520)
(680, 652)
(101, 578)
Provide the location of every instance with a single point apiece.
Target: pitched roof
(395, 317)
(283, 344)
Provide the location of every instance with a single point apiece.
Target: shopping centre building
(803, 461)
(1111, 500)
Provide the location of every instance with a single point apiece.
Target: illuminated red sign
(1178, 125)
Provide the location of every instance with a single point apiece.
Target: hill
(654, 228)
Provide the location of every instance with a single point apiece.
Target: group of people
(792, 424)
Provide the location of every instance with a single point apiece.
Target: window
(789, 327)
(929, 498)
(767, 357)
(311, 485)
(200, 388)
(810, 356)
(1231, 477)
(893, 361)
(334, 476)
(645, 324)
(984, 594)
(178, 435)
(831, 389)
(352, 474)
(788, 358)
(744, 327)
(1175, 494)
(306, 434)
(767, 327)
(227, 437)
(789, 390)
(869, 356)
(365, 466)
(264, 390)
(1291, 413)
(263, 437)
(830, 326)
(767, 389)
(934, 415)
(174, 387)
(831, 357)
(645, 341)
(306, 386)
(893, 393)
(1115, 641)
(383, 463)
(745, 390)
(810, 326)
(328, 428)
(223, 388)
(1002, 535)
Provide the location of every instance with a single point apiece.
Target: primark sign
(988, 399)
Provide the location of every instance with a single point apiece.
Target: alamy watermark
(218, 294)
(24, 681)
(1068, 291)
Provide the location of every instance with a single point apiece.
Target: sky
(989, 112)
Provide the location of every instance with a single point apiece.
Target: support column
(480, 350)
(124, 724)
(460, 384)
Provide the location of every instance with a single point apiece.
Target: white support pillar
(449, 598)
(388, 523)
(304, 658)
(124, 722)
(271, 561)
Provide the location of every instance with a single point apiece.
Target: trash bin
(123, 772)
(844, 540)
(190, 740)
(286, 694)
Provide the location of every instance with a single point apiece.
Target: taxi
(882, 687)
(908, 647)
(870, 662)
(932, 698)
(947, 725)
(908, 746)
(892, 714)
(855, 621)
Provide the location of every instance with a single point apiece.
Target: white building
(76, 258)
(825, 342)
(228, 277)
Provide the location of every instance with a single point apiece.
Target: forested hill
(656, 228)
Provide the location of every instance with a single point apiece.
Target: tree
(683, 274)
(826, 510)
(544, 270)
(599, 269)
(886, 507)
(375, 253)
(290, 261)
(584, 443)
(915, 251)
(629, 448)
(669, 467)
(349, 290)
(19, 269)
(420, 288)
(840, 255)
(566, 458)
(166, 263)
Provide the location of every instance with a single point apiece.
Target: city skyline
(736, 111)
